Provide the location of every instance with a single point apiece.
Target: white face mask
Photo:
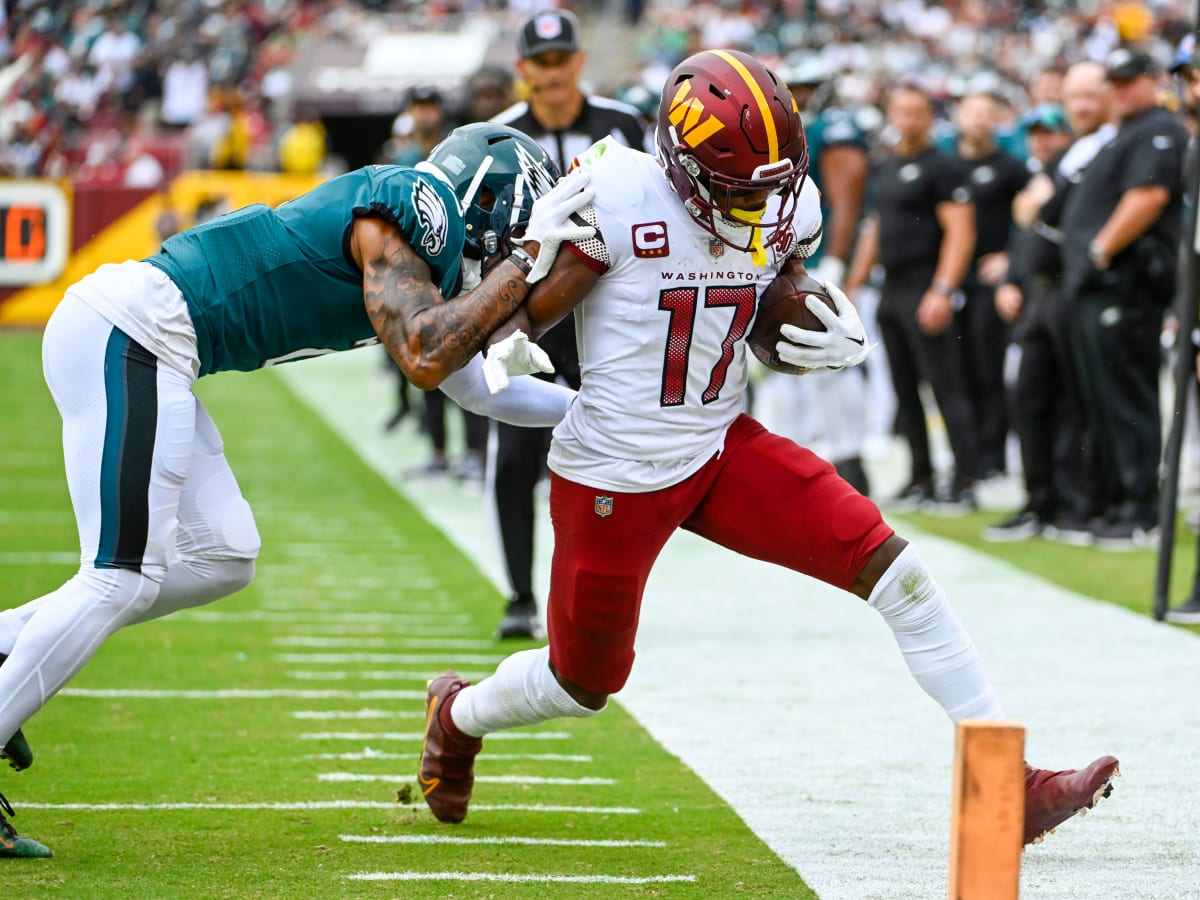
(471, 274)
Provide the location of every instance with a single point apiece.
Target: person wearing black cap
(1121, 232)
(566, 121)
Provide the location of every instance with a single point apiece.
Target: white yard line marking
(521, 879)
(521, 841)
(418, 736)
(398, 658)
(357, 714)
(342, 600)
(414, 643)
(29, 516)
(17, 558)
(507, 757)
(243, 694)
(397, 675)
(333, 804)
(373, 628)
(338, 777)
(309, 616)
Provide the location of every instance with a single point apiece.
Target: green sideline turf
(340, 544)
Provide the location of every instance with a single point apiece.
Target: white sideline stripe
(315, 641)
(243, 694)
(507, 757)
(522, 841)
(396, 675)
(334, 804)
(338, 777)
(357, 714)
(17, 558)
(312, 617)
(418, 736)
(401, 658)
(512, 878)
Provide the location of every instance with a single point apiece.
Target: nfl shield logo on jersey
(716, 248)
(604, 506)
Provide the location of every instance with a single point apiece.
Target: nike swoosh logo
(862, 342)
(427, 785)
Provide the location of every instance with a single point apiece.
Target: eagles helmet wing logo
(431, 213)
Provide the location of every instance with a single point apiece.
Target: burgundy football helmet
(727, 125)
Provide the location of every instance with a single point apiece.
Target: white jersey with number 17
(662, 346)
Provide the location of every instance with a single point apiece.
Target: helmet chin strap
(471, 274)
(744, 219)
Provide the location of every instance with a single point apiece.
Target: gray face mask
(471, 274)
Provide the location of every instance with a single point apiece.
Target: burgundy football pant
(762, 496)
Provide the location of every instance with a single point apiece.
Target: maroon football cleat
(447, 767)
(1053, 797)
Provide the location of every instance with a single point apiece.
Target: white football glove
(515, 355)
(550, 221)
(843, 343)
(829, 270)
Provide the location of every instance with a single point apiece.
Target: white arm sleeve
(528, 401)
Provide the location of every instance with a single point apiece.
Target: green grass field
(357, 596)
(320, 665)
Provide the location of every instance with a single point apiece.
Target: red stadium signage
(34, 232)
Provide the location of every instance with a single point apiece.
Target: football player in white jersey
(656, 440)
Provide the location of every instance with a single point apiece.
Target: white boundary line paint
(510, 878)
(315, 619)
(342, 777)
(320, 714)
(507, 757)
(397, 658)
(520, 841)
(335, 804)
(805, 720)
(413, 643)
(242, 694)
(418, 736)
(53, 558)
(423, 676)
(431, 632)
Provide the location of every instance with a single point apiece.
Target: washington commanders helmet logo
(687, 114)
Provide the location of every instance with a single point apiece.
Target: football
(783, 302)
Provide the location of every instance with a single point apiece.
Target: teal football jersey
(266, 286)
(832, 128)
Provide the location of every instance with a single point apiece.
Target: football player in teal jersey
(384, 254)
(835, 404)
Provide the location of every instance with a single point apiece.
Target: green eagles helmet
(496, 172)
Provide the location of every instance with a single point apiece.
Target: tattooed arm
(428, 336)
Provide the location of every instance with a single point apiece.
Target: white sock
(522, 691)
(937, 649)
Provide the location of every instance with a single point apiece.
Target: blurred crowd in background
(131, 91)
